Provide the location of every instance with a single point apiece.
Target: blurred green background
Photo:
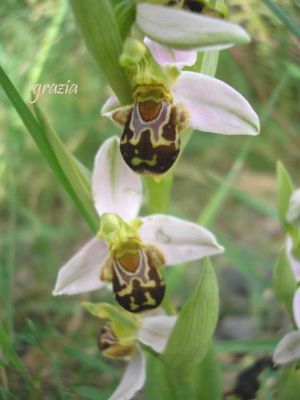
(226, 183)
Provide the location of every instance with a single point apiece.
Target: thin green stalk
(3, 377)
(11, 253)
(45, 49)
(210, 212)
(283, 17)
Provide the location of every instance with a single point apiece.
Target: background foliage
(227, 183)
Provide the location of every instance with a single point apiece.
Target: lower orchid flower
(130, 252)
(288, 349)
(122, 338)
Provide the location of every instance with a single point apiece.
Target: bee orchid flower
(122, 337)
(288, 349)
(166, 102)
(129, 252)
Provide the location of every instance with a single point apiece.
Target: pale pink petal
(82, 272)
(180, 241)
(215, 106)
(288, 349)
(111, 104)
(116, 188)
(296, 307)
(180, 29)
(165, 55)
(293, 212)
(133, 378)
(155, 331)
(295, 264)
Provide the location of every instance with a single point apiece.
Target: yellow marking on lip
(128, 289)
(137, 161)
(149, 300)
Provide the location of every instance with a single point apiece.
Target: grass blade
(39, 135)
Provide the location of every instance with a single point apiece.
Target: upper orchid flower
(166, 102)
(288, 349)
(121, 337)
(130, 252)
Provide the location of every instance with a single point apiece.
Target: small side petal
(165, 55)
(133, 378)
(296, 307)
(288, 349)
(81, 273)
(185, 30)
(215, 106)
(116, 189)
(295, 264)
(111, 104)
(179, 240)
(293, 212)
(155, 331)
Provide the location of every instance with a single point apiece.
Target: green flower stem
(97, 23)
(158, 193)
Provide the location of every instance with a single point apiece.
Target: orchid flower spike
(288, 349)
(129, 252)
(121, 338)
(166, 102)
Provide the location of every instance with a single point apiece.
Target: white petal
(294, 206)
(295, 264)
(214, 105)
(155, 331)
(110, 106)
(165, 55)
(133, 378)
(288, 349)
(296, 307)
(180, 29)
(81, 273)
(179, 240)
(116, 189)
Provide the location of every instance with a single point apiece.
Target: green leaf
(156, 386)
(76, 173)
(63, 164)
(185, 30)
(98, 25)
(208, 378)
(289, 384)
(284, 191)
(192, 334)
(125, 14)
(284, 281)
